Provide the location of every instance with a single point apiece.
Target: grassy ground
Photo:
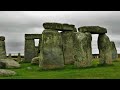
(69, 72)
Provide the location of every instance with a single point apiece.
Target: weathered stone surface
(51, 50)
(9, 63)
(59, 26)
(9, 56)
(105, 51)
(93, 29)
(68, 51)
(36, 50)
(39, 45)
(2, 48)
(2, 38)
(4, 72)
(82, 49)
(35, 60)
(29, 50)
(19, 57)
(75, 30)
(114, 51)
(32, 36)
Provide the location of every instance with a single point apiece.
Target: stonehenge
(69, 46)
(62, 44)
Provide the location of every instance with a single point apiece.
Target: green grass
(69, 72)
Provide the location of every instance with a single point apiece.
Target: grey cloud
(14, 24)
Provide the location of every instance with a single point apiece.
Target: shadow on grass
(105, 65)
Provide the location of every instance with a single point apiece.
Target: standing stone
(105, 51)
(36, 50)
(82, 49)
(19, 57)
(68, 51)
(29, 49)
(51, 55)
(114, 51)
(40, 40)
(2, 48)
(9, 56)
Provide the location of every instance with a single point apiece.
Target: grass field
(69, 72)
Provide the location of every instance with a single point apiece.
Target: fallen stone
(4, 72)
(35, 61)
(8, 63)
(93, 29)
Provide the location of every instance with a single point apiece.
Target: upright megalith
(39, 45)
(36, 50)
(19, 57)
(82, 49)
(51, 55)
(68, 51)
(29, 48)
(105, 51)
(114, 51)
(9, 56)
(67, 39)
(93, 29)
(2, 48)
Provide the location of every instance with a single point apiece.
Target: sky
(15, 24)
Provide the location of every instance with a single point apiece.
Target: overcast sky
(14, 24)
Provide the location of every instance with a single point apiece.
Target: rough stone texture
(67, 40)
(36, 50)
(32, 36)
(93, 29)
(59, 26)
(9, 56)
(39, 44)
(4, 72)
(51, 50)
(19, 57)
(2, 38)
(2, 48)
(9, 63)
(114, 51)
(75, 30)
(82, 49)
(30, 49)
(35, 60)
(105, 51)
